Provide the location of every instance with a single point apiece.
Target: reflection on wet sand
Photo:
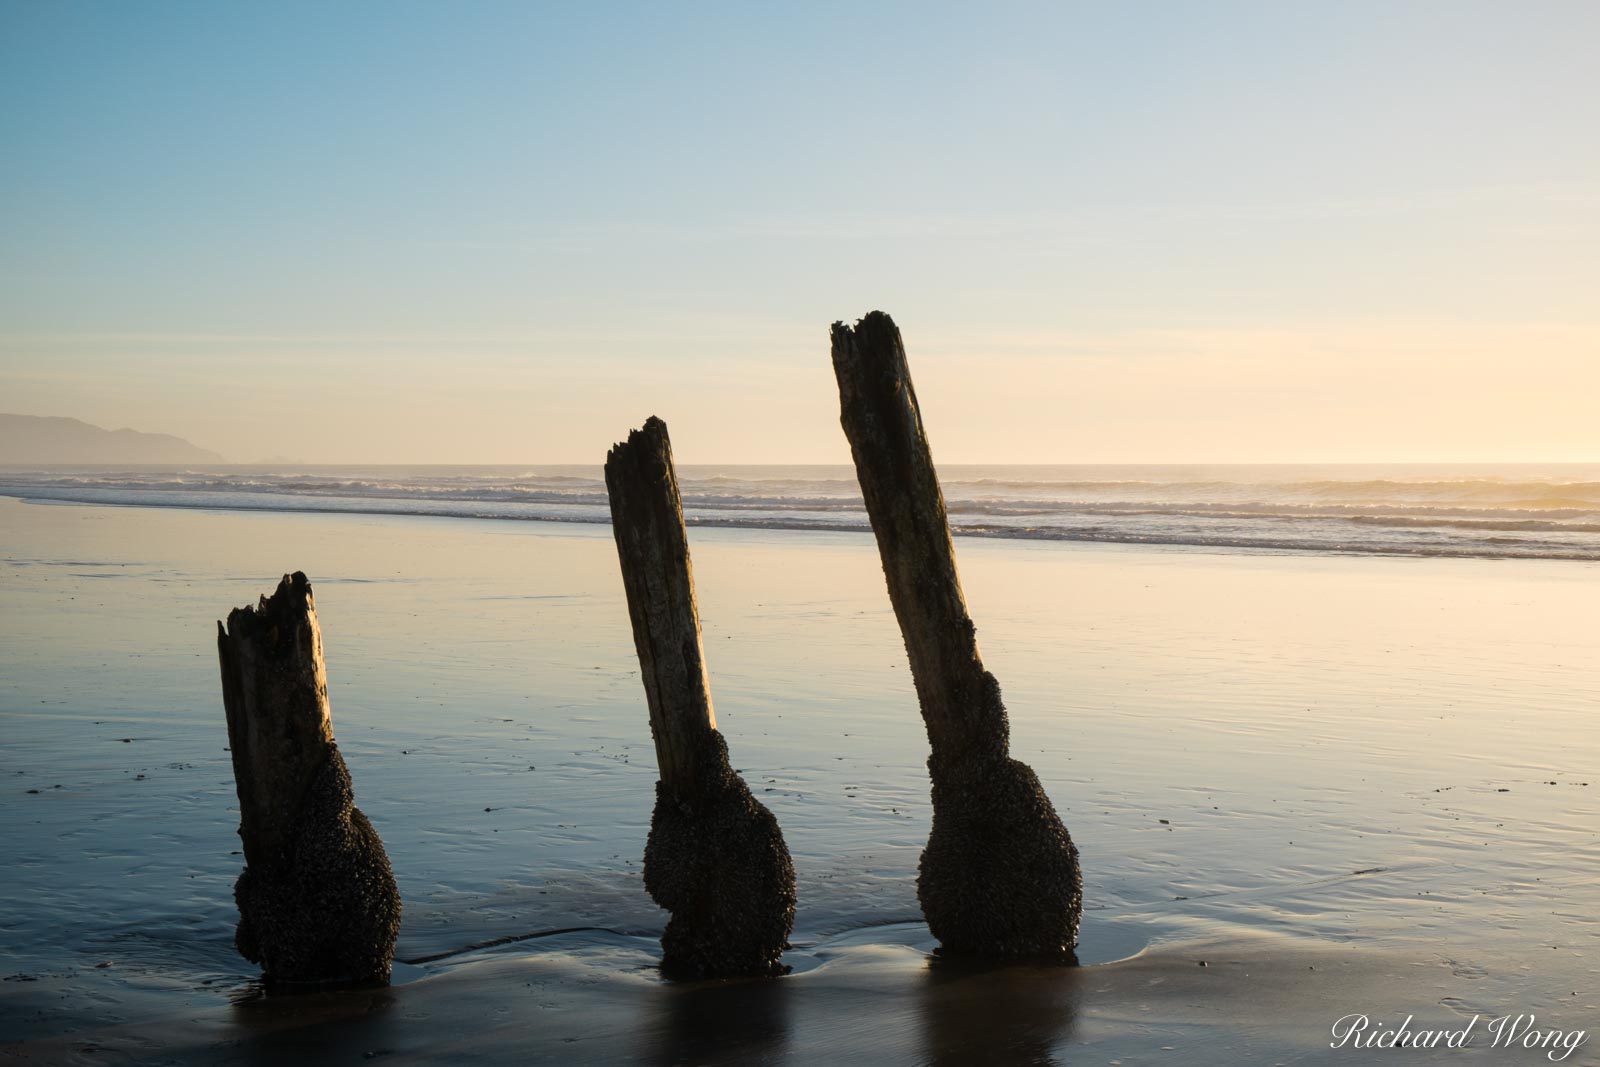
(971, 1013)
(716, 1022)
(345, 1025)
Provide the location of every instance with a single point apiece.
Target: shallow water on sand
(1298, 751)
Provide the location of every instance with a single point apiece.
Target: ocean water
(1385, 762)
(1486, 511)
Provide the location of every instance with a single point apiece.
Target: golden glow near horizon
(1235, 233)
(1340, 394)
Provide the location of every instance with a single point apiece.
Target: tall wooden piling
(715, 857)
(999, 876)
(317, 899)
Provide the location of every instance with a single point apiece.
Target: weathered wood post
(715, 857)
(999, 876)
(317, 900)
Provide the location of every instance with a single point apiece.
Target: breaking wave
(1554, 512)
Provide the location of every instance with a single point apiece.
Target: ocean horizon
(1493, 511)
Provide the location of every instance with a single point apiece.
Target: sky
(507, 233)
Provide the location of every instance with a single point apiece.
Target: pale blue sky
(508, 232)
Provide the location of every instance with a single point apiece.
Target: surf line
(1357, 1030)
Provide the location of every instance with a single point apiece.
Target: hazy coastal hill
(40, 439)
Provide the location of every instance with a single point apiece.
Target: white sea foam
(1490, 511)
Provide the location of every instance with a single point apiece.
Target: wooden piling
(317, 899)
(715, 857)
(999, 876)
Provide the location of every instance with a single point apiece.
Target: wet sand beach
(1255, 1001)
(1343, 784)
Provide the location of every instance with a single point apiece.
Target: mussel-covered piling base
(999, 876)
(328, 911)
(716, 860)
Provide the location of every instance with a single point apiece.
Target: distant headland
(54, 439)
